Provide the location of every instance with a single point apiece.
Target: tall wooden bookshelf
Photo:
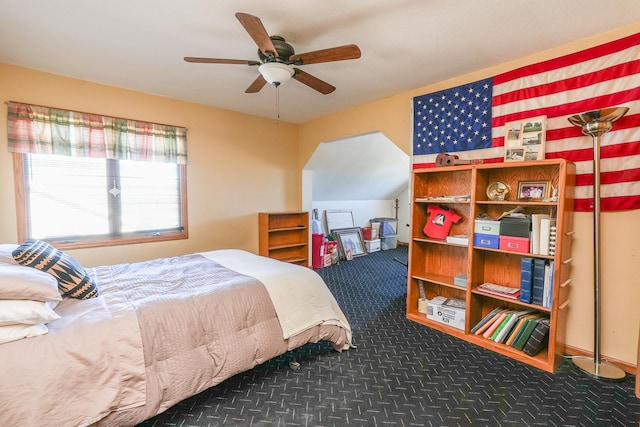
(434, 263)
(284, 236)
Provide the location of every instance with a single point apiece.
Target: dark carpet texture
(402, 374)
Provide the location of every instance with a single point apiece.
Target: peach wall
(620, 253)
(238, 164)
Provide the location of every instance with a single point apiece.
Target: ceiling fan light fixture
(276, 73)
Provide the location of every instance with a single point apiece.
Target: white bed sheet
(287, 290)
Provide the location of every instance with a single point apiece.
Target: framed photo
(337, 219)
(525, 139)
(533, 189)
(350, 242)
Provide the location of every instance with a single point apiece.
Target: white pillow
(26, 312)
(26, 283)
(16, 332)
(6, 254)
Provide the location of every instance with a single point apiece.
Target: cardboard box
(515, 244)
(372, 245)
(432, 307)
(448, 311)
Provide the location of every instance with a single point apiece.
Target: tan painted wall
(620, 232)
(238, 164)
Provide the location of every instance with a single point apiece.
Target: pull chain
(277, 100)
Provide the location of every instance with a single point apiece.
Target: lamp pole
(596, 123)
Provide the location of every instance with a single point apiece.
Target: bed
(161, 331)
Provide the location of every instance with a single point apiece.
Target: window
(79, 200)
(82, 201)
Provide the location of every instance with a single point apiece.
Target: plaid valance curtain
(44, 130)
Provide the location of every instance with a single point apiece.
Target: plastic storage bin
(388, 242)
(388, 226)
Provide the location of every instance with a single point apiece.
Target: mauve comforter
(161, 331)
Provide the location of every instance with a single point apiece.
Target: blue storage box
(486, 240)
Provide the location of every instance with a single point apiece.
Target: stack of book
(525, 330)
(536, 281)
(460, 280)
(503, 291)
(458, 239)
(541, 226)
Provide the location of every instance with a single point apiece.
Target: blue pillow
(73, 279)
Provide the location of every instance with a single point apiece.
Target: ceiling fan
(278, 60)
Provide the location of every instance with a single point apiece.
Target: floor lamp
(596, 123)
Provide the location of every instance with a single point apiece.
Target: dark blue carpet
(402, 374)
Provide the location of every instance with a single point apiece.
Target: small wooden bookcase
(284, 236)
(433, 263)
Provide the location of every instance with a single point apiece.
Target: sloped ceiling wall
(363, 167)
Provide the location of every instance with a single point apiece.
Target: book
(503, 291)
(510, 324)
(538, 339)
(482, 329)
(548, 291)
(545, 234)
(502, 325)
(547, 283)
(494, 325)
(537, 284)
(536, 221)
(526, 279)
(525, 333)
(518, 327)
(458, 239)
(485, 319)
(460, 280)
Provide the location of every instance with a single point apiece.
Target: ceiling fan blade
(220, 61)
(340, 53)
(256, 30)
(313, 82)
(256, 85)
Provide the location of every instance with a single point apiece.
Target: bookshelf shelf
(437, 279)
(284, 236)
(433, 263)
(515, 303)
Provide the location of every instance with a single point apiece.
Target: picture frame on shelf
(533, 190)
(350, 242)
(525, 139)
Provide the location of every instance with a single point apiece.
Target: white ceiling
(405, 44)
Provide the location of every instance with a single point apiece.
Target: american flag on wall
(471, 118)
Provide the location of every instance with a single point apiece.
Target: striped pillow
(73, 279)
